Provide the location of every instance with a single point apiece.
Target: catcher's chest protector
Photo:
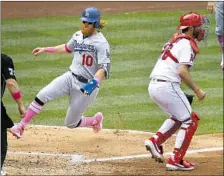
(193, 43)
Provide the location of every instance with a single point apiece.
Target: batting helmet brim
(88, 19)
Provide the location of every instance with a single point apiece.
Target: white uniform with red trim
(164, 87)
(167, 68)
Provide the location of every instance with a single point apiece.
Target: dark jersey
(7, 72)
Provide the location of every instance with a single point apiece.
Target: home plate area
(51, 150)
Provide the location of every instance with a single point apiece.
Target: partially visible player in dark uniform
(8, 79)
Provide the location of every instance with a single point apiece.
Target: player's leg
(6, 122)
(183, 140)
(4, 148)
(168, 128)
(221, 41)
(172, 102)
(77, 105)
(181, 110)
(60, 86)
(162, 95)
(219, 29)
(4, 145)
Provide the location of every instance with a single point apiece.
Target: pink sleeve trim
(67, 50)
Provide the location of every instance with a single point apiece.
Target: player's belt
(159, 80)
(80, 78)
(162, 80)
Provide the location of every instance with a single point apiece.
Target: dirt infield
(48, 151)
(42, 9)
(106, 144)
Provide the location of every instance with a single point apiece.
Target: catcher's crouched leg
(186, 133)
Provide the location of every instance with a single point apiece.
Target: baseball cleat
(17, 130)
(98, 124)
(3, 173)
(182, 166)
(155, 150)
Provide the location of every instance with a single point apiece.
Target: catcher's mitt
(189, 97)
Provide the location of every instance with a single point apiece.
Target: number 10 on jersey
(87, 60)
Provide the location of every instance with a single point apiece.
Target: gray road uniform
(89, 55)
(219, 18)
(219, 29)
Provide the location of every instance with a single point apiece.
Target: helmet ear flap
(96, 24)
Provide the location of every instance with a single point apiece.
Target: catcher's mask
(90, 15)
(192, 19)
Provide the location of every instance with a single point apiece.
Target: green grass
(136, 40)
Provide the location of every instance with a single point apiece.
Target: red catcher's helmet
(190, 19)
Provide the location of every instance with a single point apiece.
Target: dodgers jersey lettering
(167, 68)
(88, 53)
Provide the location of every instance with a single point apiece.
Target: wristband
(98, 80)
(50, 49)
(16, 95)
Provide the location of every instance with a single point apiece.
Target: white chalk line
(144, 155)
(80, 159)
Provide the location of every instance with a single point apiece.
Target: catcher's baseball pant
(67, 84)
(171, 99)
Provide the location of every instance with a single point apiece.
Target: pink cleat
(17, 130)
(98, 122)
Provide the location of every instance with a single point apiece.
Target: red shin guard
(179, 153)
(163, 137)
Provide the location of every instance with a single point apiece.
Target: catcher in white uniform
(172, 68)
(91, 63)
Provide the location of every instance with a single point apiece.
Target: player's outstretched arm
(53, 50)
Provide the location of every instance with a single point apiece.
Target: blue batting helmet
(92, 15)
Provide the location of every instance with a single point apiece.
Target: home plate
(78, 159)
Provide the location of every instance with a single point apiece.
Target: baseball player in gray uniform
(220, 27)
(91, 63)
